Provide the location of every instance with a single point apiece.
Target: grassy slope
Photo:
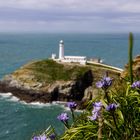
(49, 71)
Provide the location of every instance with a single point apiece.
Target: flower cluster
(136, 84)
(52, 136)
(111, 107)
(42, 137)
(104, 83)
(71, 105)
(63, 117)
(96, 111)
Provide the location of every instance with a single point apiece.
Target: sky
(90, 16)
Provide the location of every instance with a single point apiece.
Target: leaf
(110, 125)
(120, 115)
(106, 122)
(127, 90)
(103, 102)
(74, 135)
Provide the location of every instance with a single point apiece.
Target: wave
(9, 97)
(38, 104)
(6, 95)
(14, 99)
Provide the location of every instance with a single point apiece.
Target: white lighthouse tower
(61, 50)
(68, 59)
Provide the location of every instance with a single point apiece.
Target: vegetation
(49, 71)
(130, 57)
(114, 115)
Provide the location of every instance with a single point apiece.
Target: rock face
(25, 84)
(90, 93)
(135, 67)
(47, 81)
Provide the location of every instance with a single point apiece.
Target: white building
(69, 59)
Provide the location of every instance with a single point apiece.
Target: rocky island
(47, 81)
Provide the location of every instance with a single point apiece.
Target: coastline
(11, 98)
(59, 91)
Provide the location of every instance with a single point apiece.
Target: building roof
(80, 57)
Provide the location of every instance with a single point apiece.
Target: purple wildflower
(63, 117)
(97, 104)
(136, 84)
(94, 116)
(35, 138)
(96, 111)
(104, 83)
(43, 137)
(111, 107)
(97, 107)
(71, 105)
(52, 136)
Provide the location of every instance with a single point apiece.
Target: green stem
(107, 97)
(100, 121)
(114, 119)
(112, 113)
(130, 57)
(72, 113)
(65, 124)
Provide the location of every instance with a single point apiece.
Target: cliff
(135, 68)
(47, 81)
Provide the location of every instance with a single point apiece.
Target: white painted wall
(61, 50)
(77, 59)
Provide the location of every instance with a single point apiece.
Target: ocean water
(18, 120)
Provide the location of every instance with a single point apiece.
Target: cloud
(70, 15)
(76, 5)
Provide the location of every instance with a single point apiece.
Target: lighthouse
(68, 59)
(61, 50)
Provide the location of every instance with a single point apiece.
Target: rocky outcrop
(47, 81)
(135, 67)
(90, 93)
(25, 86)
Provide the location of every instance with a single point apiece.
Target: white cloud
(77, 5)
(70, 15)
(130, 6)
(49, 26)
(132, 20)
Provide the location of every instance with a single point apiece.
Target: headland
(47, 80)
(66, 78)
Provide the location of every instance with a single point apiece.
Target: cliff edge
(47, 81)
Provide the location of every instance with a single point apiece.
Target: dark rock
(59, 91)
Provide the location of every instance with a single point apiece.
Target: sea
(19, 120)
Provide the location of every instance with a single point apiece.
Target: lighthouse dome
(61, 42)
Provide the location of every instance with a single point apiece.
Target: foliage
(48, 134)
(50, 71)
(115, 115)
(130, 57)
(118, 117)
(120, 122)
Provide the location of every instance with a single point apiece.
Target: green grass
(50, 71)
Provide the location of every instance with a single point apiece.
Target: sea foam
(6, 95)
(9, 96)
(38, 104)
